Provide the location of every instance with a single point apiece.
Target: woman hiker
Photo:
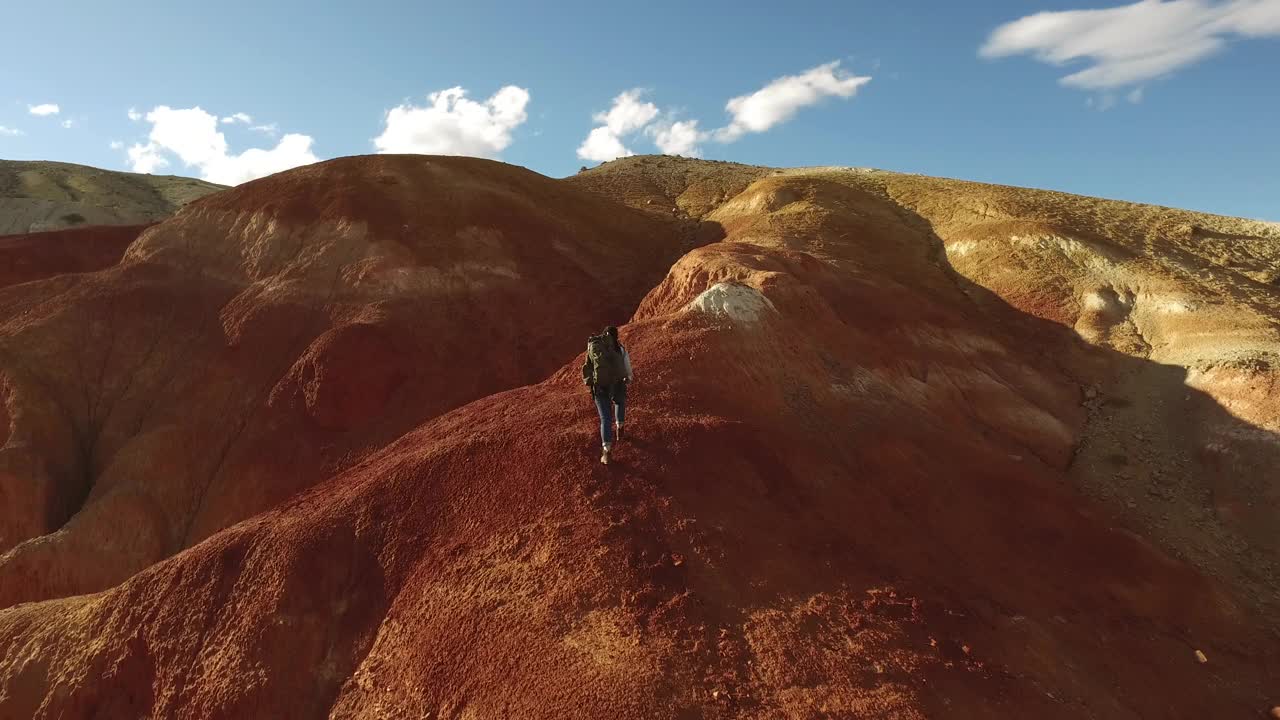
(606, 372)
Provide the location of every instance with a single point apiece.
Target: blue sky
(1172, 102)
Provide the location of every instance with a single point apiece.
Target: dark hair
(612, 332)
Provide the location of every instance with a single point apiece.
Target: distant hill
(38, 196)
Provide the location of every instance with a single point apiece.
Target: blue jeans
(608, 400)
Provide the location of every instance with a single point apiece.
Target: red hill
(862, 476)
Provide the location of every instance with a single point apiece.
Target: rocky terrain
(42, 196)
(899, 447)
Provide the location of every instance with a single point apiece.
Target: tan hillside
(40, 196)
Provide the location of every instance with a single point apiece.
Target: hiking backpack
(606, 361)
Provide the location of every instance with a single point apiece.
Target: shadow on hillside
(35, 256)
(1157, 457)
(1164, 459)
(778, 557)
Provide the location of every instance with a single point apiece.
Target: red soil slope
(845, 493)
(37, 256)
(268, 336)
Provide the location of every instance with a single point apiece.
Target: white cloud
(1134, 96)
(68, 123)
(12, 132)
(781, 99)
(1131, 44)
(292, 151)
(117, 145)
(626, 116)
(146, 158)
(44, 109)
(271, 129)
(678, 138)
(237, 118)
(602, 146)
(192, 135)
(134, 115)
(771, 105)
(453, 124)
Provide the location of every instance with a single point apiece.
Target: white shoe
(604, 457)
